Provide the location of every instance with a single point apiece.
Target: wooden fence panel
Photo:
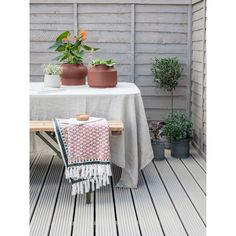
(131, 33)
(198, 98)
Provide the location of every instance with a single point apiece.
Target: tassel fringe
(89, 177)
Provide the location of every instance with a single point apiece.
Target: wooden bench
(115, 126)
(45, 131)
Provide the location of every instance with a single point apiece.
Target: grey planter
(158, 148)
(180, 149)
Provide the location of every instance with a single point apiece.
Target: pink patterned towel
(86, 153)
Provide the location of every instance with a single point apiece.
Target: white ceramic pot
(52, 81)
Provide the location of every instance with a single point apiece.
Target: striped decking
(170, 201)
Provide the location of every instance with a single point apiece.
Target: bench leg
(88, 197)
(48, 143)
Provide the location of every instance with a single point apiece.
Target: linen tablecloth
(132, 150)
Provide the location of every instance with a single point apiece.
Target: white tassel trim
(89, 184)
(87, 171)
(94, 176)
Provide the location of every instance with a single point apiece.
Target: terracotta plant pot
(73, 74)
(102, 76)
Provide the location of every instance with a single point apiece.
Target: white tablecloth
(131, 151)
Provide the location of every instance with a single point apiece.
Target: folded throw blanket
(85, 151)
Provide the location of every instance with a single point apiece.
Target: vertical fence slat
(132, 43)
(203, 67)
(189, 61)
(75, 18)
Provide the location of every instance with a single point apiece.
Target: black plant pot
(180, 149)
(158, 148)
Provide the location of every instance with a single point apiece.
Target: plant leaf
(62, 35)
(61, 48)
(55, 45)
(57, 58)
(87, 48)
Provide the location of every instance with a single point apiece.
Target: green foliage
(52, 69)
(110, 62)
(177, 126)
(71, 50)
(166, 72)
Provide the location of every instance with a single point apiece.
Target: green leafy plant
(167, 72)
(110, 62)
(71, 50)
(177, 126)
(52, 69)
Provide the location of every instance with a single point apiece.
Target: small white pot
(52, 81)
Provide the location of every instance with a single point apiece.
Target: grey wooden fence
(131, 32)
(198, 77)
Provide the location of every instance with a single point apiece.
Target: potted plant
(167, 72)
(178, 129)
(102, 73)
(52, 75)
(72, 52)
(158, 144)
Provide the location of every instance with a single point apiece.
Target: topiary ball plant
(178, 126)
(167, 72)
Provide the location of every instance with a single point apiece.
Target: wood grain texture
(47, 125)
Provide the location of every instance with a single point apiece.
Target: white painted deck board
(63, 216)
(198, 158)
(186, 210)
(33, 157)
(193, 190)
(197, 172)
(34, 160)
(147, 217)
(105, 214)
(169, 218)
(40, 223)
(84, 217)
(163, 202)
(127, 225)
(37, 175)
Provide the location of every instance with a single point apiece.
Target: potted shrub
(52, 75)
(167, 72)
(178, 129)
(102, 74)
(72, 52)
(158, 144)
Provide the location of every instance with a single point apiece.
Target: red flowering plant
(156, 130)
(71, 49)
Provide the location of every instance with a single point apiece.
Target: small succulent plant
(52, 69)
(110, 62)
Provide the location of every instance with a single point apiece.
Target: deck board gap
(55, 204)
(170, 198)
(186, 192)
(135, 210)
(94, 213)
(42, 185)
(195, 159)
(73, 217)
(114, 205)
(194, 178)
(153, 203)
